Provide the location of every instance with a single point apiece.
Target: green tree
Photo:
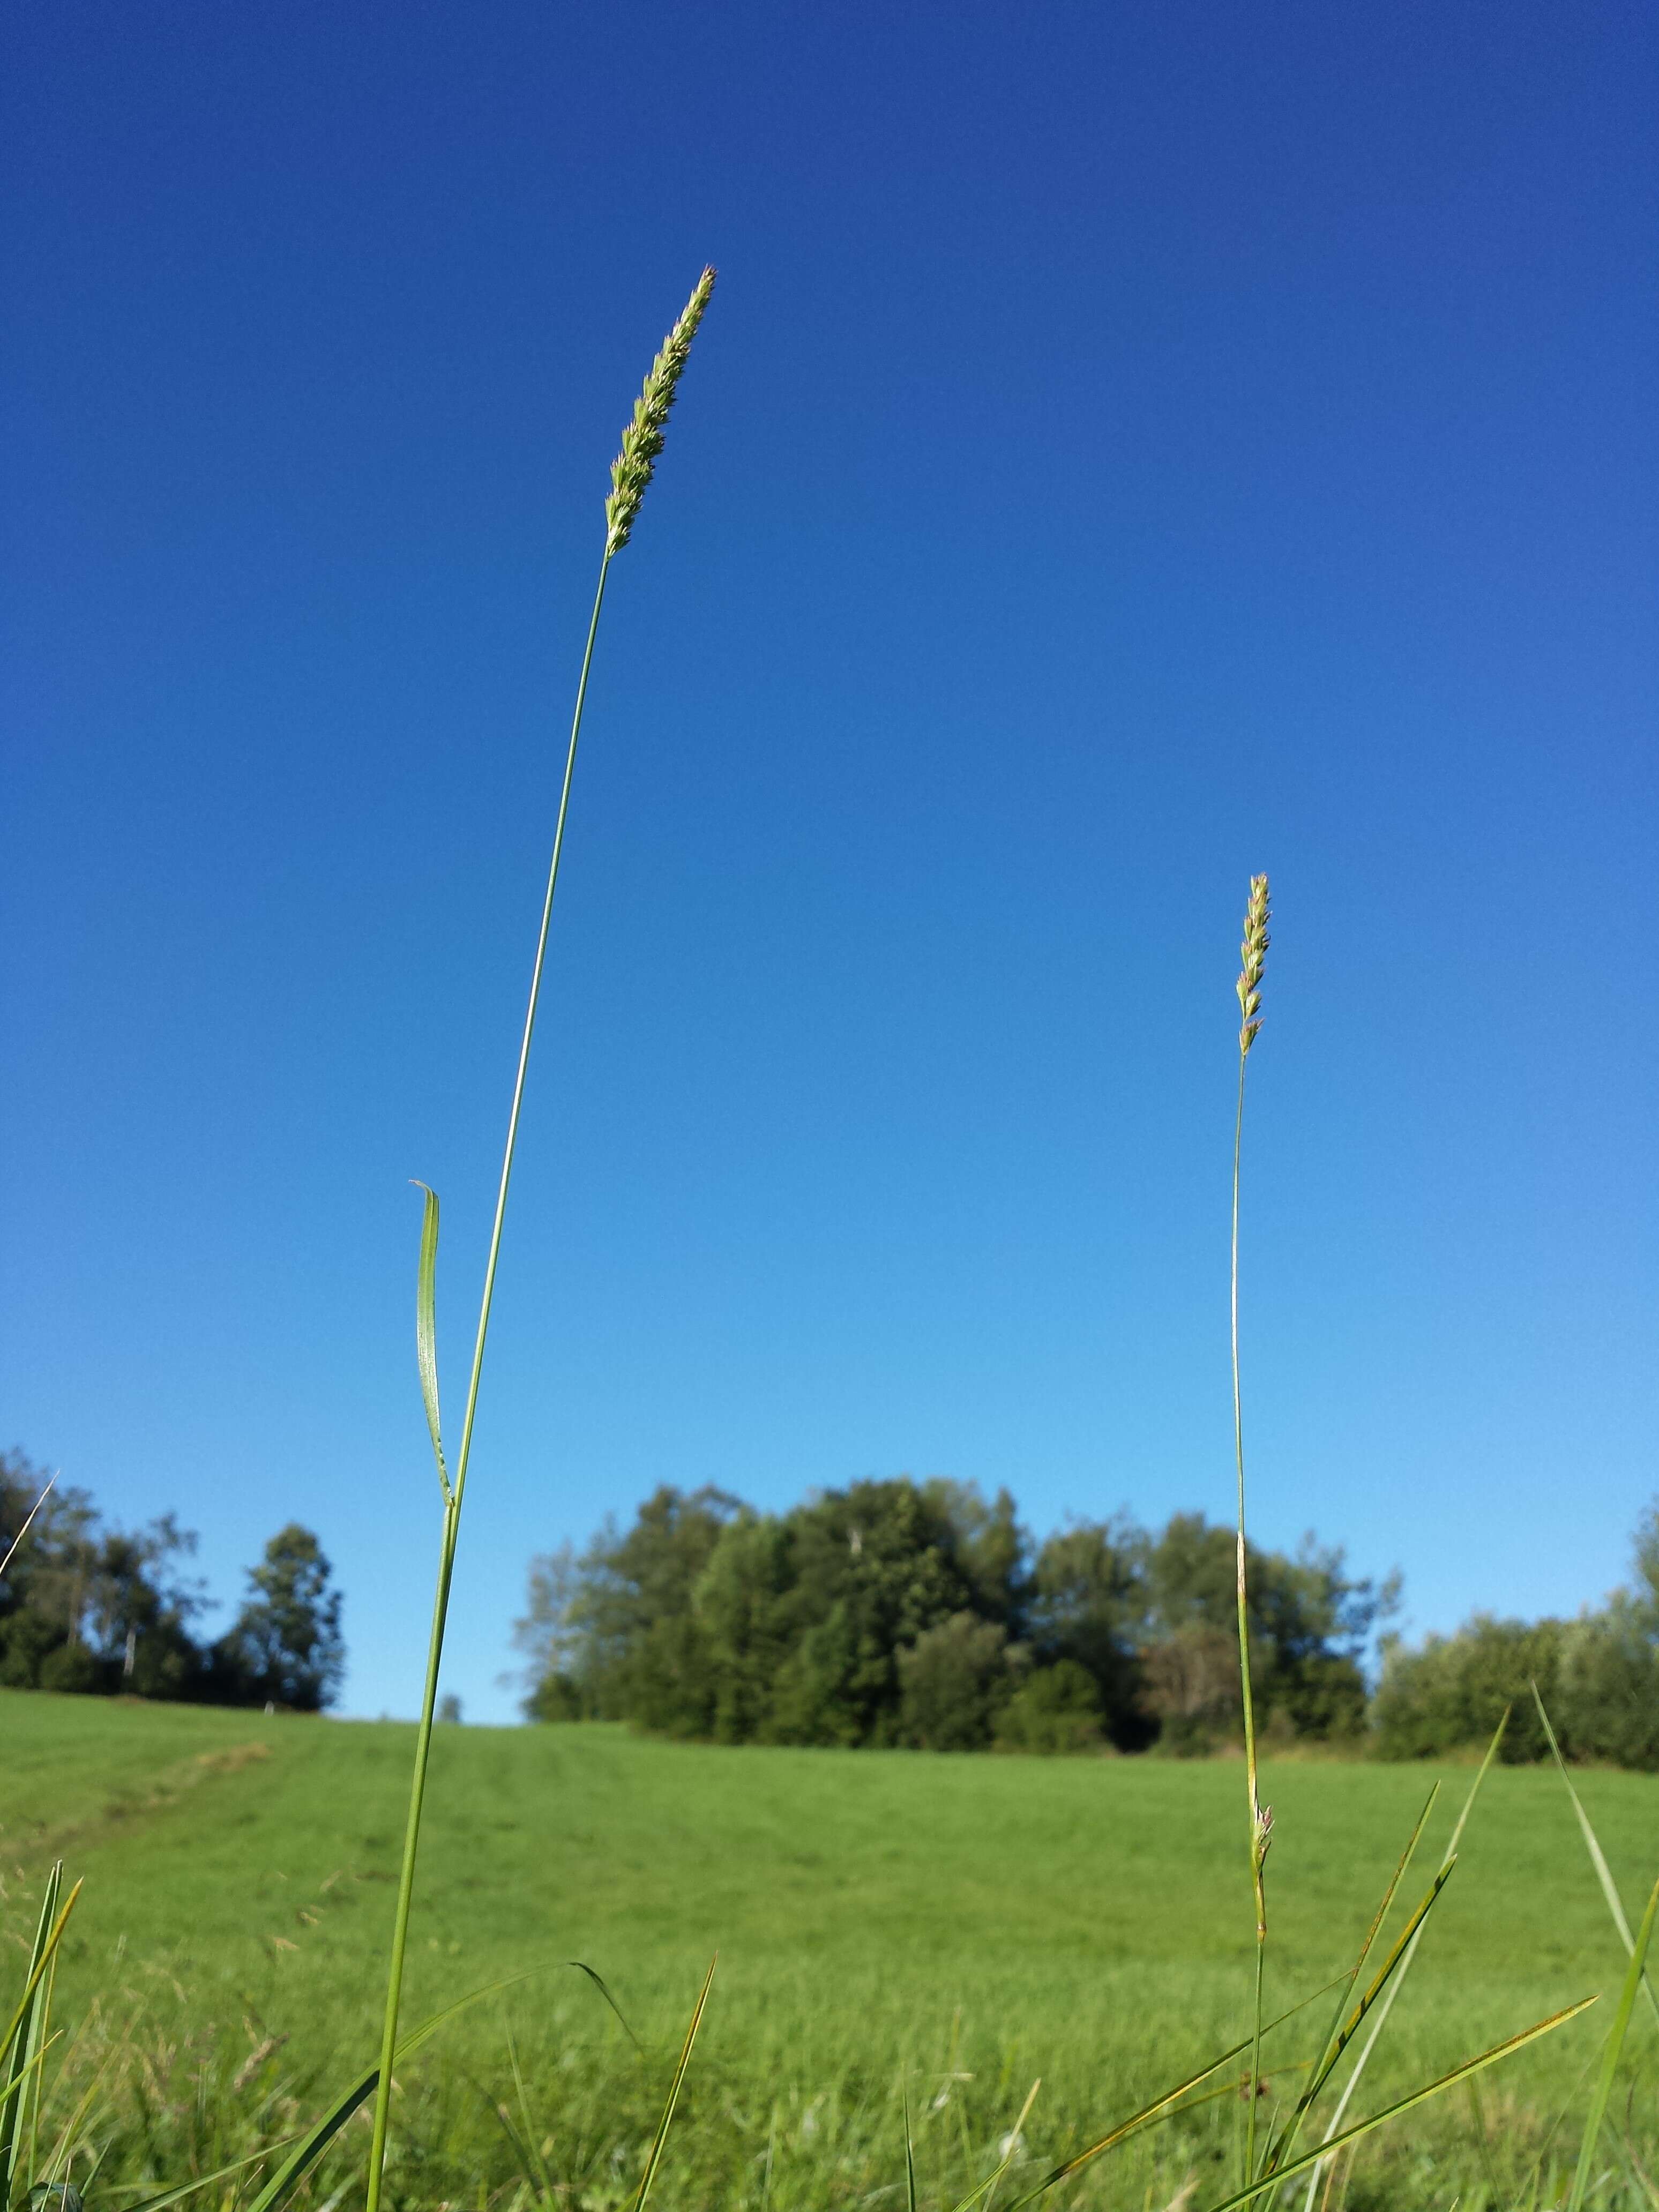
(953, 1681)
(745, 1608)
(630, 1609)
(552, 1642)
(139, 1607)
(1055, 1710)
(1450, 1693)
(1089, 1610)
(1606, 1704)
(285, 1646)
(874, 1566)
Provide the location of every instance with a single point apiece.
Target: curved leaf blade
(426, 1332)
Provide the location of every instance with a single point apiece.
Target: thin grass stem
(456, 1492)
(1254, 956)
(631, 473)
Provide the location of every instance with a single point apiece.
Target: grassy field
(965, 1924)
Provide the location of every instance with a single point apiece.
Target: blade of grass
(909, 2155)
(1398, 1983)
(532, 2171)
(24, 2047)
(654, 2159)
(1598, 1857)
(1334, 2040)
(1402, 1943)
(987, 2188)
(540, 2175)
(40, 2038)
(12, 1552)
(524, 2148)
(597, 1981)
(312, 2145)
(1470, 2066)
(426, 1332)
(1610, 2057)
(178, 2194)
(44, 1953)
(1160, 2108)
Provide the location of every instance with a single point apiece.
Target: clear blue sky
(1130, 446)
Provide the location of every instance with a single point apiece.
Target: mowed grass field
(960, 1925)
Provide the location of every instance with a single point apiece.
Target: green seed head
(1254, 954)
(643, 441)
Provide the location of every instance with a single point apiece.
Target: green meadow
(888, 1924)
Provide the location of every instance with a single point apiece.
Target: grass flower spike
(643, 441)
(1254, 954)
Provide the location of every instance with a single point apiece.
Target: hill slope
(988, 1918)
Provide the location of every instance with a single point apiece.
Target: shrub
(952, 1681)
(1451, 1693)
(1606, 1698)
(1056, 1710)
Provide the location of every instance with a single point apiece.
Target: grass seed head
(643, 441)
(1254, 954)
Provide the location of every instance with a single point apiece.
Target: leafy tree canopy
(907, 1613)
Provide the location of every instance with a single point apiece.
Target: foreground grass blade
(426, 1332)
(178, 2194)
(909, 2155)
(597, 1981)
(312, 2145)
(44, 1955)
(24, 1530)
(1610, 2057)
(1408, 1936)
(1398, 1982)
(987, 2188)
(26, 2047)
(1338, 2038)
(1598, 1857)
(1160, 2109)
(1463, 2072)
(523, 2145)
(663, 2125)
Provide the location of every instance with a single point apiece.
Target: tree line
(1596, 1677)
(94, 1609)
(917, 1613)
(904, 1613)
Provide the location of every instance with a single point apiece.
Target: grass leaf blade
(909, 2156)
(1148, 2115)
(24, 2047)
(1610, 2057)
(1592, 1844)
(663, 2125)
(1470, 2066)
(1337, 2039)
(425, 1331)
(1398, 1982)
(312, 2145)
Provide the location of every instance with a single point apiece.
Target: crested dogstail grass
(631, 474)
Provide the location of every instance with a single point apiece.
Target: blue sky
(1130, 446)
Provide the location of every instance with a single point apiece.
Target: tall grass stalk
(631, 475)
(1253, 955)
